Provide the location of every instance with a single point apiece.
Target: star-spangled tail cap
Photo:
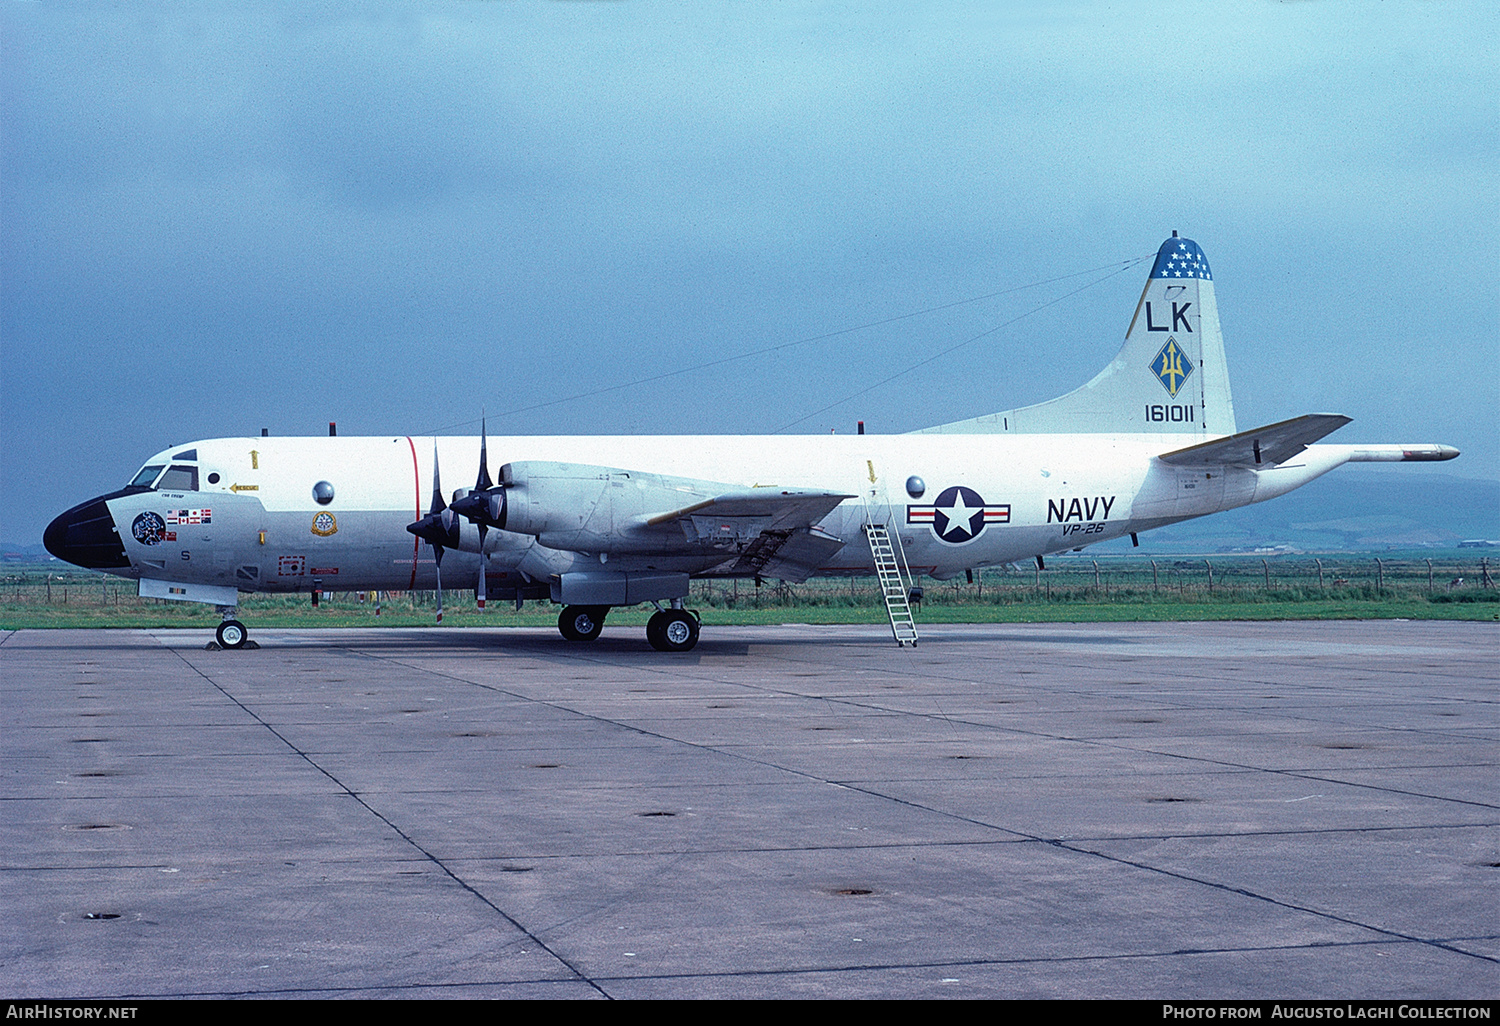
(1181, 258)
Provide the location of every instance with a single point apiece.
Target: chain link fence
(1194, 579)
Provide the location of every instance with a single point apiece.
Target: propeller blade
(485, 505)
(484, 481)
(438, 505)
(438, 528)
(484, 565)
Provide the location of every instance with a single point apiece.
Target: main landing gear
(672, 630)
(668, 630)
(582, 623)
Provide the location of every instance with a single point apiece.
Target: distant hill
(1352, 509)
(31, 553)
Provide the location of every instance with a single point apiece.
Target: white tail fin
(1168, 378)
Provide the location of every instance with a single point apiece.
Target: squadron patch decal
(1171, 367)
(325, 524)
(958, 515)
(149, 529)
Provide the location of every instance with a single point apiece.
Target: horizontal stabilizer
(1262, 446)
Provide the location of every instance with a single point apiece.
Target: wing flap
(742, 515)
(788, 555)
(772, 531)
(1259, 447)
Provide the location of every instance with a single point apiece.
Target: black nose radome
(86, 536)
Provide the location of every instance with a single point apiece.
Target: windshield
(179, 479)
(147, 475)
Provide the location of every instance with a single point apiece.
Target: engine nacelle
(590, 509)
(600, 588)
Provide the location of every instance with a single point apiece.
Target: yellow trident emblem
(1172, 367)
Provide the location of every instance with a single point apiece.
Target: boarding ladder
(892, 582)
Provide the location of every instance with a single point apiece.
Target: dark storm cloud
(221, 217)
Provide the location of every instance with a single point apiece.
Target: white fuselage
(254, 524)
(593, 523)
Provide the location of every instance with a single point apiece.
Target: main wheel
(654, 628)
(672, 630)
(231, 634)
(581, 623)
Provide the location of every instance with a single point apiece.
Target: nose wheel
(672, 630)
(231, 634)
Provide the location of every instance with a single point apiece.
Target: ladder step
(893, 584)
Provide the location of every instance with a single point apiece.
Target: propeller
(439, 528)
(483, 484)
(485, 506)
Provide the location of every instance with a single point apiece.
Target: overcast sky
(218, 218)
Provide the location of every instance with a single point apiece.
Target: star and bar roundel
(958, 515)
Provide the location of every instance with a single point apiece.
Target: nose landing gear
(231, 633)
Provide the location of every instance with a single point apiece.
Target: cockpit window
(179, 479)
(186, 454)
(147, 475)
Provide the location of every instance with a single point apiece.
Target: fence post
(1484, 570)
(1320, 572)
(1429, 577)
(1210, 575)
(1379, 577)
(1154, 588)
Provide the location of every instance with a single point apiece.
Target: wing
(1262, 446)
(740, 530)
(742, 515)
(773, 531)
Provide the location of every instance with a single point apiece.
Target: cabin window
(179, 479)
(147, 475)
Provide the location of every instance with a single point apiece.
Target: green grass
(1335, 587)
